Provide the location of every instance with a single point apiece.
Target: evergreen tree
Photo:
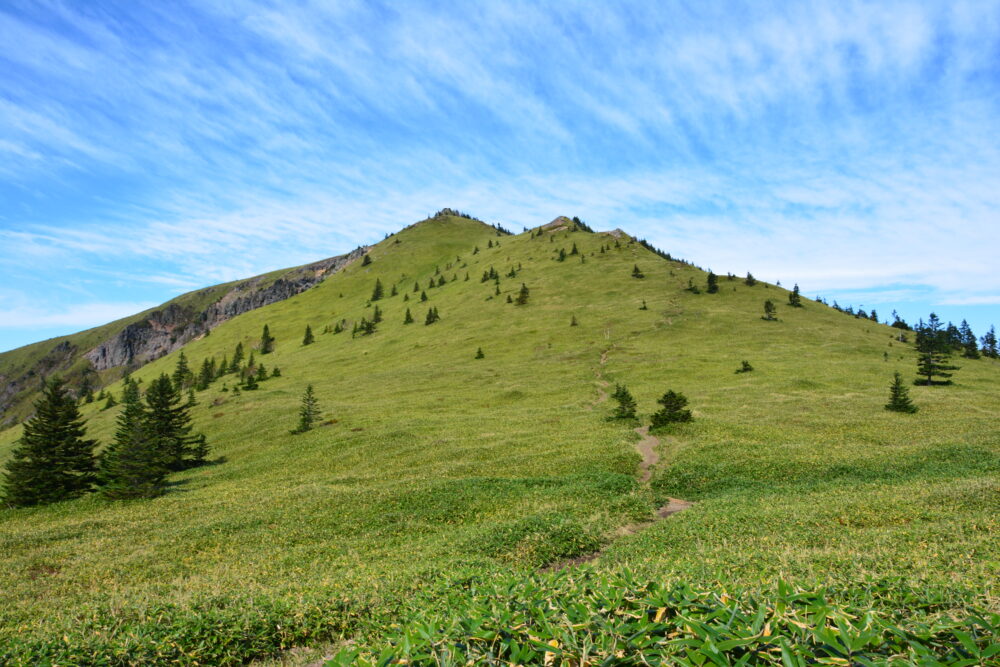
(261, 373)
(522, 295)
(572, 321)
(423, 297)
(416, 287)
(205, 375)
(250, 384)
(168, 423)
(750, 281)
(409, 318)
(899, 396)
(673, 410)
(394, 291)
(432, 316)
(222, 368)
(745, 367)
(267, 340)
(308, 338)
(53, 460)
(510, 299)
(132, 466)
(367, 260)
(182, 373)
(441, 282)
(970, 346)
(626, 403)
(562, 255)
(933, 352)
(989, 343)
(234, 365)
(643, 306)
(769, 312)
(309, 412)
(574, 251)
(276, 373)
(712, 284)
(377, 291)
(110, 402)
(636, 273)
(794, 298)
(377, 315)
(479, 353)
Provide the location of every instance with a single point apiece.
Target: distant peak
(562, 222)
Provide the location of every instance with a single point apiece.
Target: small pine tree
(636, 273)
(626, 403)
(988, 343)
(276, 373)
(574, 251)
(479, 353)
(899, 396)
(522, 295)
(769, 312)
(970, 346)
(206, 375)
(409, 318)
(423, 297)
(182, 373)
(169, 423)
(933, 352)
(308, 338)
(643, 306)
(750, 281)
(110, 402)
(132, 466)
(673, 410)
(309, 412)
(261, 373)
(267, 340)
(416, 287)
(572, 321)
(712, 286)
(509, 299)
(745, 367)
(367, 260)
(251, 383)
(53, 460)
(377, 291)
(432, 316)
(794, 298)
(377, 315)
(441, 282)
(394, 291)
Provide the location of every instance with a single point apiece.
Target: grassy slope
(440, 464)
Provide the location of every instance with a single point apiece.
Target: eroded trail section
(647, 450)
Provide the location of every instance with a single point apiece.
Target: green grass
(440, 467)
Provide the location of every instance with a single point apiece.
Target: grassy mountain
(441, 488)
(99, 355)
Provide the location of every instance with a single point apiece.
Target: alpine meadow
(466, 446)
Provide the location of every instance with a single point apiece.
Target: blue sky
(147, 149)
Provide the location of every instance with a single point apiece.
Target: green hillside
(442, 487)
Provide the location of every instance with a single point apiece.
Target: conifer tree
(53, 460)
(432, 316)
(416, 287)
(509, 299)
(308, 338)
(522, 295)
(795, 299)
(745, 367)
(673, 410)
(636, 273)
(222, 368)
(132, 466)
(309, 412)
(377, 291)
(261, 373)
(409, 318)
(406, 297)
(479, 353)
(110, 402)
(750, 281)
(394, 291)
(367, 260)
(899, 396)
(182, 373)
(989, 343)
(497, 293)
(377, 315)
(643, 306)
(572, 321)
(970, 347)
(769, 312)
(423, 297)
(574, 251)
(234, 365)
(933, 352)
(168, 423)
(562, 255)
(205, 375)
(626, 403)
(267, 340)
(712, 283)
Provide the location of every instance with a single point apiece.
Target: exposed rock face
(170, 328)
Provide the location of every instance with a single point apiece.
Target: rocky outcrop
(168, 329)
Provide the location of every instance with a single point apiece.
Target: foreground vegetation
(430, 467)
